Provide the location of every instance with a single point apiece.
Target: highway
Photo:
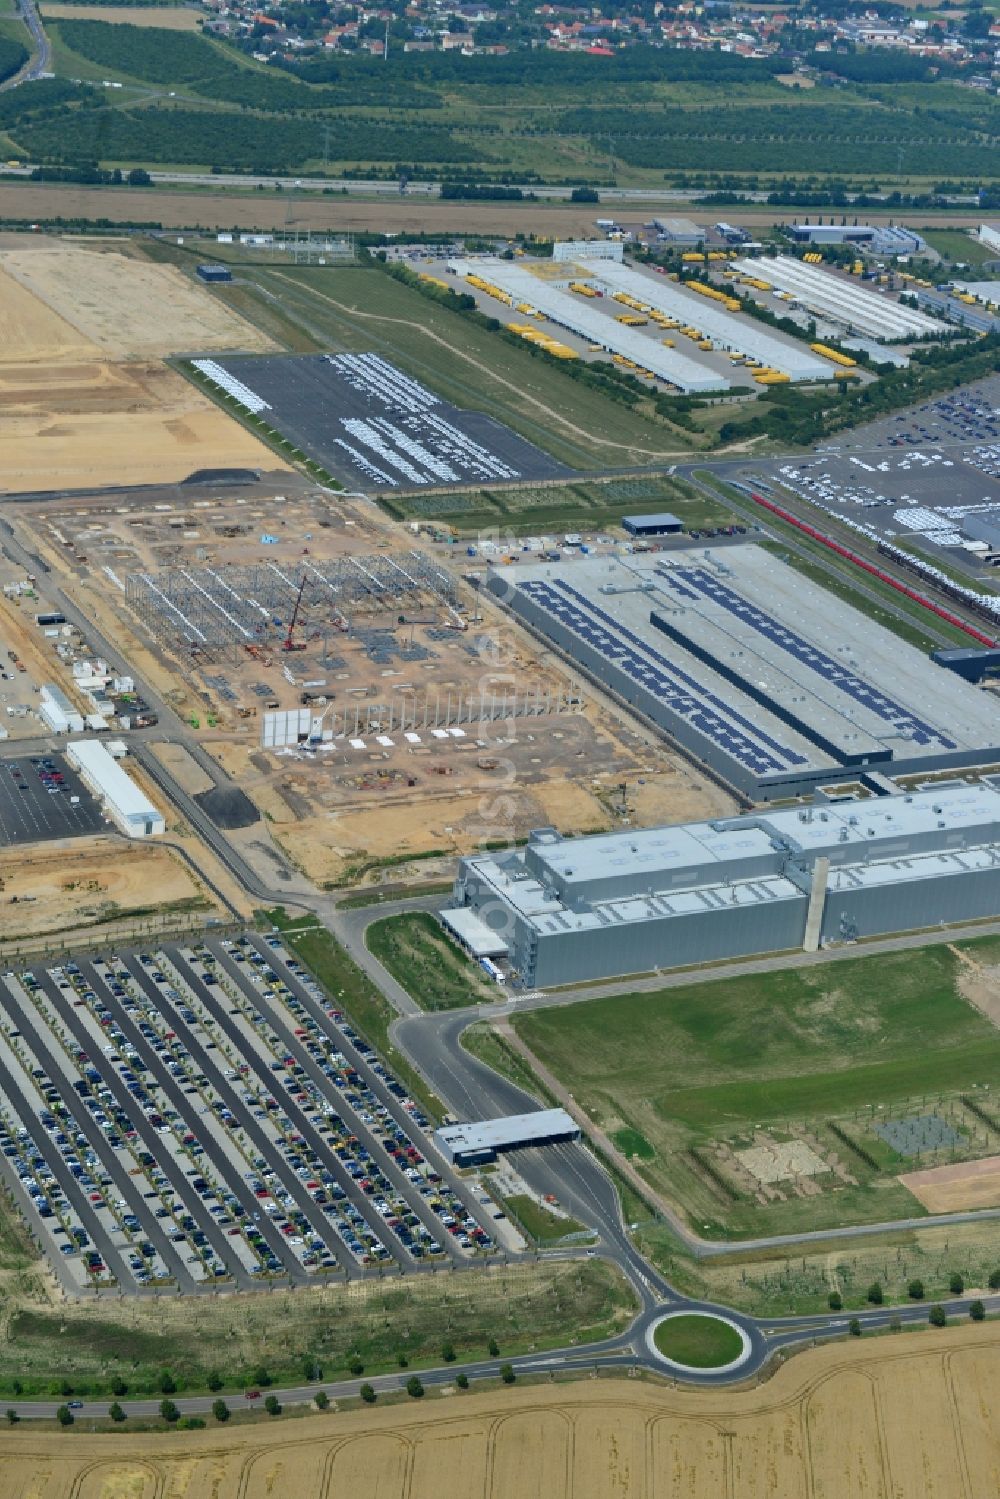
(40, 61)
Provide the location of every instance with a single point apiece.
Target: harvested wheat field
(164, 17)
(909, 1417)
(86, 425)
(89, 883)
(128, 308)
(954, 1189)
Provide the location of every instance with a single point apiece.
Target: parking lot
(912, 478)
(374, 426)
(196, 1115)
(42, 798)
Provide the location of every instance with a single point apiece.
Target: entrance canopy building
(478, 1144)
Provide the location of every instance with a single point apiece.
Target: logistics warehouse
(771, 682)
(572, 909)
(128, 807)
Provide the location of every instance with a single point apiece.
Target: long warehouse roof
(731, 332)
(111, 780)
(841, 299)
(569, 311)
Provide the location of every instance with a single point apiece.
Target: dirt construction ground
(80, 426)
(909, 1417)
(66, 889)
(127, 307)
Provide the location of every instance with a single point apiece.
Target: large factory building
(769, 681)
(572, 909)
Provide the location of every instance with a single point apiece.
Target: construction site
(352, 678)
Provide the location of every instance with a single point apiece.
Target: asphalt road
(41, 59)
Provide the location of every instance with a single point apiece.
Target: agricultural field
(898, 1415)
(796, 1099)
(699, 114)
(164, 17)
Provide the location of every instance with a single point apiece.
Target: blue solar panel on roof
(832, 671)
(679, 692)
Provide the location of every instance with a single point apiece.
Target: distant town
(288, 30)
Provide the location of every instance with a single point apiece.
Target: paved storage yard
(202, 1114)
(913, 478)
(42, 798)
(370, 424)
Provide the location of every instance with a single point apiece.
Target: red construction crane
(290, 643)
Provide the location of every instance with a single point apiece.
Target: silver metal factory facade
(571, 909)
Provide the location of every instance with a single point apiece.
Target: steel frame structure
(210, 608)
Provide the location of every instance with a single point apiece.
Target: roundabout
(699, 1343)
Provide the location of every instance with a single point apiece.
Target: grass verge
(429, 966)
(698, 1342)
(698, 1077)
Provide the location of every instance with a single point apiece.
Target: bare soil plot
(896, 1416)
(129, 308)
(952, 1189)
(80, 426)
(165, 17)
(69, 888)
(31, 330)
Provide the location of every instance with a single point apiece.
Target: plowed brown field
(905, 1417)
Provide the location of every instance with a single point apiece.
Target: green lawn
(688, 1070)
(417, 953)
(957, 246)
(587, 505)
(698, 1342)
(544, 1227)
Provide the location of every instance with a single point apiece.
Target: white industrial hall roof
(571, 312)
(112, 782)
(881, 317)
(731, 331)
(481, 940)
(509, 1132)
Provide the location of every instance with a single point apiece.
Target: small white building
(57, 712)
(128, 807)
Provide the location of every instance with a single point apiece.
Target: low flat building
(57, 712)
(574, 909)
(983, 525)
(125, 803)
(479, 1143)
(661, 524)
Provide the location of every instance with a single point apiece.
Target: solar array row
(678, 691)
(835, 672)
